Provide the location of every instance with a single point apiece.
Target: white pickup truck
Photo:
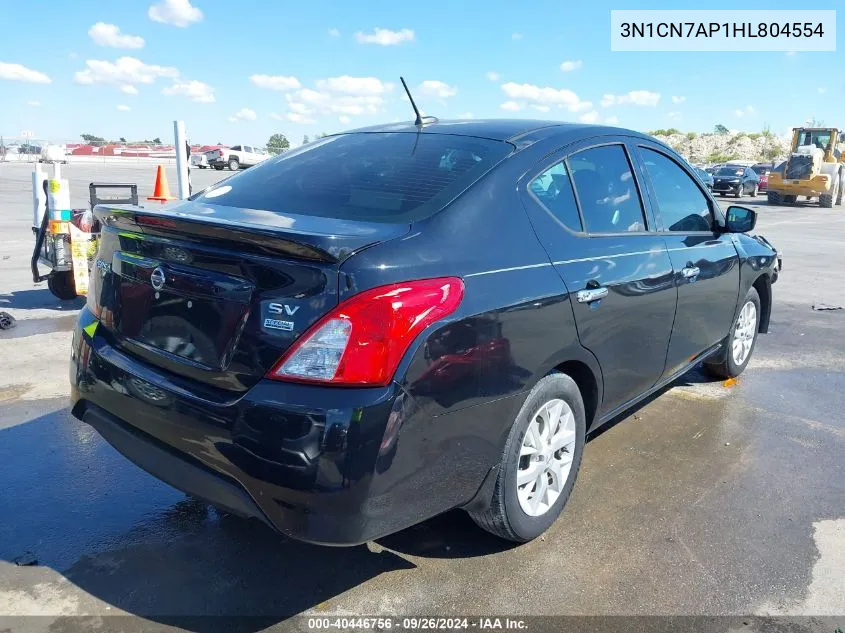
(236, 157)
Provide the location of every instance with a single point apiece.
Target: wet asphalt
(706, 500)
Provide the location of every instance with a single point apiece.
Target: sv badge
(282, 308)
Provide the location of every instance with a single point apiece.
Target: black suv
(382, 325)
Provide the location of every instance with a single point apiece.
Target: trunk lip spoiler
(327, 239)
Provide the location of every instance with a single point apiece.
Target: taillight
(363, 339)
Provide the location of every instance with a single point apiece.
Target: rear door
(586, 207)
(704, 260)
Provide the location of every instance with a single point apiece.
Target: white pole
(181, 159)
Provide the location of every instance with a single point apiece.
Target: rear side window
(381, 177)
(553, 189)
(236, 148)
(607, 193)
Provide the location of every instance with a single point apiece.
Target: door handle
(590, 295)
(690, 272)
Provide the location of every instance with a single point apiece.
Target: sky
(239, 71)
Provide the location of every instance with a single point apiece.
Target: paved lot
(707, 500)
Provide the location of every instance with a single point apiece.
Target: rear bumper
(328, 466)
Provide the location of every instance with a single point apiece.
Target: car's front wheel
(732, 360)
(540, 462)
(234, 165)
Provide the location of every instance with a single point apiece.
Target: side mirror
(740, 220)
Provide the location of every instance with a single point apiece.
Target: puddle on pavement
(32, 327)
(13, 392)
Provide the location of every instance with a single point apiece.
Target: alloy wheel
(545, 458)
(744, 333)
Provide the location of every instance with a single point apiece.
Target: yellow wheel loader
(815, 168)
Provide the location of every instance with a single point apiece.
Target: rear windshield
(382, 177)
(730, 171)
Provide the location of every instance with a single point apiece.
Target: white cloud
(493, 76)
(275, 82)
(385, 37)
(276, 116)
(611, 120)
(635, 97)
(540, 108)
(302, 119)
(511, 106)
(16, 72)
(343, 119)
(677, 100)
(244, 114)
(124, 71)
(569, 66)
(34, 104)
(742, 112)
(590, 117)
(109, 35)
(466, 115)
(176, 12)
(822, 91)
(334, 32)
(301, 108)
(438, 89)
(516, 36)
(124, 108)
(194, 90)
(674, 115)
(354, 85)
(545, 96)
(129, 90)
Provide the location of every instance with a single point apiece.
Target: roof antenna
(419, 119)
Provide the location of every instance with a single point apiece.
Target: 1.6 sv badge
(280, 309)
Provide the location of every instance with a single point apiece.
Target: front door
(704, 260)
(616, 268)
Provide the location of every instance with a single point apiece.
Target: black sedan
(387, 324)
(737, 180)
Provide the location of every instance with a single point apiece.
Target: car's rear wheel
(234, 165)
(790, 199)
(218, 167)
(773, 197)
(732, 360)
(539, 463)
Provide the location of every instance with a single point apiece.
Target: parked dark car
(763, 170)
(737, 180)
(383, 325)
(706, 177)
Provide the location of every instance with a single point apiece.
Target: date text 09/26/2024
(422, 623)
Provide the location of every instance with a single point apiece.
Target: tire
(826, 199)
(62, 286)
(218, 167)
(234, 165)
(729, 364)
(507, 517)
(790, 199)
(839, 195)
(755, 191)
(740, 189)
(773, 197)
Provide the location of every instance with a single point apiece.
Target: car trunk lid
(217, 294)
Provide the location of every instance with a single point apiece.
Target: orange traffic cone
(162, 189)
